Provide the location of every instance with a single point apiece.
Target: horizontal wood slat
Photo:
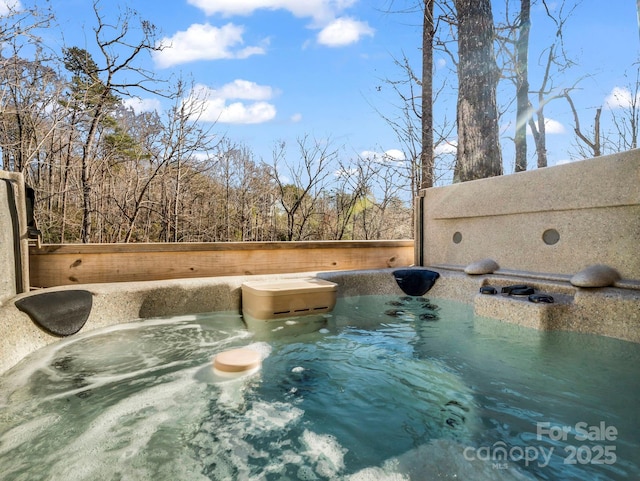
(68, 264)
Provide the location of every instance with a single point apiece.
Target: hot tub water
(387, 388)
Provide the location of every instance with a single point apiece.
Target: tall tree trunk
(86, 202)
(426, 156)
(479, 153)
(176, 203)
(522, 86)
(539, 130)
(87, 156)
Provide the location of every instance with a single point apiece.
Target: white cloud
(239, 113)
(142, 105)
(391, 155)
(335, 31)
(296, 118)
(201, 156)
(343, 31)
(319, 10)
(346, 173)
(215, 107)
(620, 98)
(551, 127)
(395, 154)
(446, 147)
(244, 89)
(204, 42)
(8, 6)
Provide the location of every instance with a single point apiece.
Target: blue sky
(280, 69)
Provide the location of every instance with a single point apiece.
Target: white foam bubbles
(306, 473)
(262, 348)
(121, 437)
(379, 474)
(23, 433)
(275, 416)
(442, 459)
(325, 452)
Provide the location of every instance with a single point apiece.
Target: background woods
(104, 171)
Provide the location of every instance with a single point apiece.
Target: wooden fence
(68, 264)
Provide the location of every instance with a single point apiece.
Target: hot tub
(386, 386)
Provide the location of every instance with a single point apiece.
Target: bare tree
(99, 86)
(383, 209)
(427, 155)
(512, 49)
(180, 150)
(243, 194)
(421, 135)
(106, 173)
(135, 168)
(523, 106)
(479, 153)
(556, 61)
(625, 114)
(299, 183)
(27, 87)
(349, 192)
(593, 143)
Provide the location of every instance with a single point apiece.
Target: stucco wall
(593, 205)
(13, 223)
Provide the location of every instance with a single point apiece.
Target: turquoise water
(383, 388)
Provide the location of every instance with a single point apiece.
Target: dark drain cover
(544, 298)
(61, 312)
(517, 290)
(490, 290)
(416, 281)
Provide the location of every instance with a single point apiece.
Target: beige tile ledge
(518, 310)
(609, 311)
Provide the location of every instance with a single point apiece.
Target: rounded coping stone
(596, 275)
(237, 360)
(61, 313)
(484, 266)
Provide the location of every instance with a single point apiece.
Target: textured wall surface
(14, 245)
(7, 253)
(553, 220)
